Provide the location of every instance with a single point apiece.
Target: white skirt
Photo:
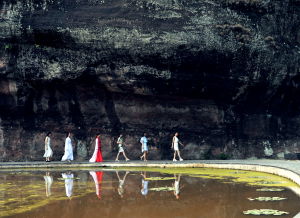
(67, 156)
(121, 149)
(176, 147)
(144, 148)
(48, 152)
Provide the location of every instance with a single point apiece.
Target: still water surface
(135, 194)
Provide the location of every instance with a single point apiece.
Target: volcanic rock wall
(224, 73)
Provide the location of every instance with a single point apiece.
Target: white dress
(48, 150)
(176, 141)
(94, 157)
(48, 183)
(120, 145)
(144, 142)
(68, 183)
(68, 150)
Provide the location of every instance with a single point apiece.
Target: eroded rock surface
(224, 73)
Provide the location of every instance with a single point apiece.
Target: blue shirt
(144, 140)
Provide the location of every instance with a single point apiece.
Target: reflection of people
(121, 183)
(177, 186)
(97, 155)
(97, 177)
(144, 189)
(48, 151)
(68, 155)
(144, 142)
(120, 143)
(175, 146)
(68, 177)
(48, 183)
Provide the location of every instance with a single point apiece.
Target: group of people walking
(97, 155)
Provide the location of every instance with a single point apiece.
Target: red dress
(97, 155)
(99, 179)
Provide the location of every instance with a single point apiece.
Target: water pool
(135, 193)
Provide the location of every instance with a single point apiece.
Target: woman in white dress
(48, 183)
(48, 151)
(120, 143)
(68, 155)
(175, 146)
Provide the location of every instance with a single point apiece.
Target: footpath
(290, 165)
(286, 168)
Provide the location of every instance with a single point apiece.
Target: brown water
(71, 194)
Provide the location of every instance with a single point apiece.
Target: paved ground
(284, 164)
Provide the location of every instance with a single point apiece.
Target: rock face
(224, 73)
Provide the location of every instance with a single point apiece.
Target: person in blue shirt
(144, 190)
(144, 142)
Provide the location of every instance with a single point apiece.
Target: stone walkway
(290, 165)
(285, 168)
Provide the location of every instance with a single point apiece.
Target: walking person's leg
(125, 156)
(174, 157)
(117, 158)
(180, 158)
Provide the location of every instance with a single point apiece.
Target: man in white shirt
(144, 142)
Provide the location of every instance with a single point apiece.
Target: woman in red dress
(97, 155)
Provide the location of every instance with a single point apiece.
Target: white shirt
(144, 140)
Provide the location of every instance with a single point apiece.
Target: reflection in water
(48, 182)
(144, 189)
(177, 186)
(22, 194)
(97, 177)
(121, 183)
(68, 177)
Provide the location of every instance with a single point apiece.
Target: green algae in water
(265, 212)
(75, 178)
(241, 176)
(267, 199)
(166, 188)
(270, 190)
(27, 194)
(238, 172)
(159, 178)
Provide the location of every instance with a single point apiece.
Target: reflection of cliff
(224, 73)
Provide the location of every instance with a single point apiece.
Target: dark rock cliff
(224, 73)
